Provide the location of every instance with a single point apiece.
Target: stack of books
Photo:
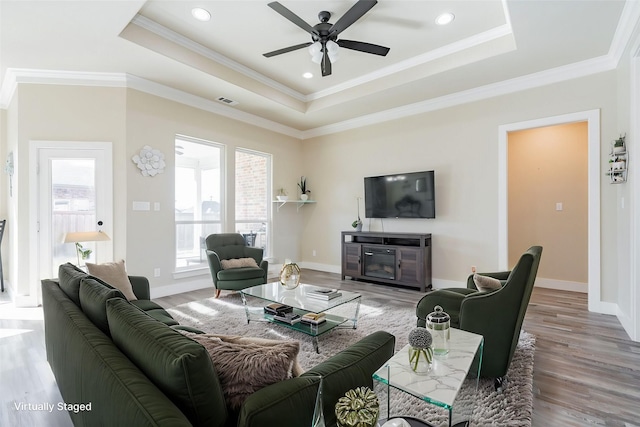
(324, 294)
(314, 318)
(277, 309)
(289, 318)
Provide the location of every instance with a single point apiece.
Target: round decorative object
(150, 161)
(304, 197)
(420, 351)
(358, 408)
(290, 275)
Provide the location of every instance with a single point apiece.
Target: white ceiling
(491, 46)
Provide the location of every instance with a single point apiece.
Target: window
(253, 204)
(198, 198)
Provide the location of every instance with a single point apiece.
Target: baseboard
(561, 285)
(178, 288)
(321, 267)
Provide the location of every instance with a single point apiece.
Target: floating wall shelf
(299, 203)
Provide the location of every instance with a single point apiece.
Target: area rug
(511, 407)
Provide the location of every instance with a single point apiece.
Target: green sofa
(129, 363)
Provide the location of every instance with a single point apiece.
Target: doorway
(592, 117)
(74, 193)
(547, 201)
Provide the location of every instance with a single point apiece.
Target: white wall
(461, 145)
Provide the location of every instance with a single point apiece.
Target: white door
(74, 194)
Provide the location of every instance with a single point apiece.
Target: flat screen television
(404, 195)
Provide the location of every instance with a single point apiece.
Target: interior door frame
(35, 148)
(592, 117)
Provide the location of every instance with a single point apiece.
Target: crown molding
(201, 103)
(543, 78)
(444, 51)
(187, 43)
(14, 77)
(624, 31)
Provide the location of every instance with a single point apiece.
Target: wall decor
(150, 161)
(9, 169)
(618, 160)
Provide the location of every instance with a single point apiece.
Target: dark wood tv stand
(394, 258)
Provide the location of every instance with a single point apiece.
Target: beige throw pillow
(238, 263)
(486, 283)
(114, 274)
(245, 365)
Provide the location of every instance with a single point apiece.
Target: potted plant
(357, 224)
(282, 195)
(618, 144)
(304, 192)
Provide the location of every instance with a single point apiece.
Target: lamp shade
(85, 236)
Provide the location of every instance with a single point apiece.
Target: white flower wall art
(150, 161)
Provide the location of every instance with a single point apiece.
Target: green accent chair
(226, 246)
(496, 315)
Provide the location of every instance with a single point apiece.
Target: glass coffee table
(451, 384)
(340, 312)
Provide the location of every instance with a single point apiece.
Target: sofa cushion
(114, 274)
(180, 367)
(246, 365)
(238, 263)
(146, 305)
(486, 283)
(69, 277)
(93, 298)
(242, 273)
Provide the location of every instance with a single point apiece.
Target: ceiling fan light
(332, 47)
(317, 57)
(334, 56)
(315, 48)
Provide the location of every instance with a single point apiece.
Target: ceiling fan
(324, 35)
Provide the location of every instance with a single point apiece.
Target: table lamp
(84, 236)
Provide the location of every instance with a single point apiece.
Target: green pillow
(69, 277)
(93, 299)
(179, 366)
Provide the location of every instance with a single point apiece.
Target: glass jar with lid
(438, 323)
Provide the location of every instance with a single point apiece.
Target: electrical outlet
(156, 272)
(313, 253)
(473, 268)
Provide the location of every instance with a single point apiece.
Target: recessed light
(307, 75)
(445, 18)
(201, 14)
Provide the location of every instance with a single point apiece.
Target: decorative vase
(304, 197)
(420, 359)
(290, 275)
(282, 198)
(358, 408)
(420, 351)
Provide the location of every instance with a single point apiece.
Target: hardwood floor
(586, 371)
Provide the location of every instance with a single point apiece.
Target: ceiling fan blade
(287, 49)
(364, 47)
(326, 63)
(356, 12)
(291, 17)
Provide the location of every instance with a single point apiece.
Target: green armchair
(228, 246)
(496, 315)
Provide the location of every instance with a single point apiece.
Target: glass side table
(451, 384)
